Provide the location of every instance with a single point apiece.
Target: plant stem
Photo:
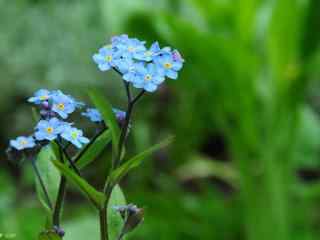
(125, 127)
(36, 170)
(59, 201)
(103, 224)
(88, 145)
(72, 164)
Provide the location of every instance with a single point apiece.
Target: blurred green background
(245, 112)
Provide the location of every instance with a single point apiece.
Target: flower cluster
(55, 107)
(94, 115)
(146, 68)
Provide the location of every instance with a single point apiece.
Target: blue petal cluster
(146, 68)
(95, 116)
(55, 107)
(74, 135)
(22, 142)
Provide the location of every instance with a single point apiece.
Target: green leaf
(114, 218)
(108, 116)
(121, 171)
(199, 166)
(94, 150)
(49, 175)
(96, 197)
(49, 235)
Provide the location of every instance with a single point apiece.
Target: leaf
(114, 218)
(49, 175)
(202, 167)
(94, 150)
(49, 235)
(121, 171)
(96, 197)
(108, 116)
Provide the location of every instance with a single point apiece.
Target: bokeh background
(245, 112)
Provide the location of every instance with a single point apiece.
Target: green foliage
(94, 150)
(134, 162)
(96, 197)
(114, 218)
(49, 236)
(49, 174)
(108, 116)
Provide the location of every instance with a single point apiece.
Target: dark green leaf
(121, 171)
(49, 235)
(49, 175)
(114, 218)
(93, 151)
(96, 197)
(108, 116)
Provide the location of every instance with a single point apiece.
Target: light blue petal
(150, 87)
(172, 74)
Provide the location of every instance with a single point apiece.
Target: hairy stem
(103, 224)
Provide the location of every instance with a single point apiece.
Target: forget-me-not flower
(106, 58)
(22, 142)
(49, 129)
(128, 68)
(149, 78)
(93, 114)
(74, 135)
(130, 48)
(168, 65)
(40, 96)
(148, 55)
(63, 104)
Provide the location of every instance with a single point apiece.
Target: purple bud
(46, 105)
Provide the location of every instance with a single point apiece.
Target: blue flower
(105, 58)
(22, 142)
(148, 55)
(40, 96)
(149, 78)
(130, 48)
(49, 130)
(93, 114)
(63, 104)
(74, 135)
(169, 66)
(128, 68)
(120, 115)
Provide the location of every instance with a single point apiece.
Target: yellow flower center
(131, 49)
(167, 65)
(108, 58)
(74, 135)
(23, 142)
(49, 130)
(61, 106)
(148, 77)
(44, 97)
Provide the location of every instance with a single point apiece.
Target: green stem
(103, 224)
(59, 201)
